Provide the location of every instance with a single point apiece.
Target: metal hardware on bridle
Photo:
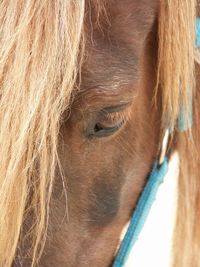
(158, 173)
(164, 147)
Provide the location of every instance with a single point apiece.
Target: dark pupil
(98, 128)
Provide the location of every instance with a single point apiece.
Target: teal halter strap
(197, 41)
(183, 124)
(141, 212)
(148, 196)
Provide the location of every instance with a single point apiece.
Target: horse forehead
(133, 5)
(134, 9)
(133, 16)
(116, 46)
(128, 20)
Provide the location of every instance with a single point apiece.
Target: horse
(87, 90)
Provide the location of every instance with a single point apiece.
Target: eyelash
(117, 116)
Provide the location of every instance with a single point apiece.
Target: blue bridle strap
(140, 215)
(197, 41)
(148, 196)
(185, 120)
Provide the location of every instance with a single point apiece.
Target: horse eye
(108, 121)
(105, 124)
(100, 130)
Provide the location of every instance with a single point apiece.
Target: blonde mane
(41, 48)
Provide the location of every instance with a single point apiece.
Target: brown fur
(104, 186)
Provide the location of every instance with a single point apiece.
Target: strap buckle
(164, 147)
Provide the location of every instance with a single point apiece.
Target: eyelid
(116, 113)
(117, 108)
